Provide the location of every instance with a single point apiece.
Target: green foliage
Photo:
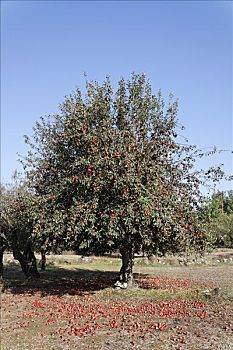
(111, 171)
(16, 220)
(219, 212)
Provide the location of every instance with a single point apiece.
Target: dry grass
(73, 306)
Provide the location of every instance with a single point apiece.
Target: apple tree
(112, 171)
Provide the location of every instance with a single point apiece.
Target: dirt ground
(214, 276)
(73, 306)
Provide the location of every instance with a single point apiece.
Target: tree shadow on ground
(58, 281)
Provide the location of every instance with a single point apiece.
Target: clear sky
(184, 47)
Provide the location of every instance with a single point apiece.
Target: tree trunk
(19, 256)
(43, 260)
(27, 260)
(1, 263)
(30, 260)
(126, 271)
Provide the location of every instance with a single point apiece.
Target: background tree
(218, 211)
(111, 171)
(16, 226)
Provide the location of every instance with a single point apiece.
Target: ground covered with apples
(74, 306)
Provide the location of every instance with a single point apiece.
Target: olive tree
(16, 227)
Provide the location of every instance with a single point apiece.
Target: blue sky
(184, 47)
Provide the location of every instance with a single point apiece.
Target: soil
(75, 307)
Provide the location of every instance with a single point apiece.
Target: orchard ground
(175, 304)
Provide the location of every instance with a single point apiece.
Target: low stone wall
(215, 258)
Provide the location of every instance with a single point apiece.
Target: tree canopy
(218, 213)
(16, 225)
(112, 171)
